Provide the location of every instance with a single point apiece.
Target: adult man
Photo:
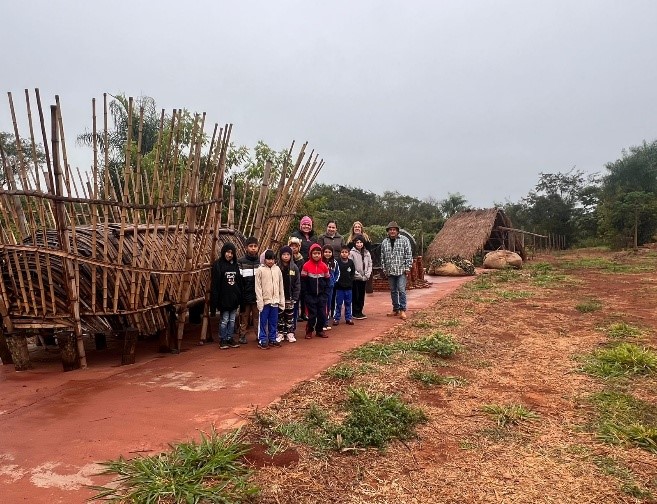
(396, 260)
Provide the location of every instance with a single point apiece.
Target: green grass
(315, 430)
(624, 476)
(512, 295)
(451, 323)
(209, 471)
(436, 345)
(605, 265)
(506, 275)
(429, 378)
(373, 420)
(510, 414)
(342, 372)
(623, 359)
(544, 275)
(623, 419)
(622, 330)
(589, 306)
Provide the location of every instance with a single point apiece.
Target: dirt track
(56, 426)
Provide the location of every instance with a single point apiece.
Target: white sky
(422, 97)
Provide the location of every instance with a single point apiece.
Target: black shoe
(242, 340)
(263, 346)
(321, 334)
(224, 345)
(302, 318)
(359, 316)
(274, 343)
(349, 322)
(232, 343)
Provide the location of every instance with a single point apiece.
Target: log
(129, 346)
(5, 354)
(68, 347)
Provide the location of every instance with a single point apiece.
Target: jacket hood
(226, 247)
(314, 246)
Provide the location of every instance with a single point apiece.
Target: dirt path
(56, 426)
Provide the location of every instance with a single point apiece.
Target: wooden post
(129, 346)
(261, 200)
(72, 290)
(66, 341)
(5, 354)
(20, 355)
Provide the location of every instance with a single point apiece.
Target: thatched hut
(470, 233)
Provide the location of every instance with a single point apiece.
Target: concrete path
(56, 426)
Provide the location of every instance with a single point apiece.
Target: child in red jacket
(315, 277)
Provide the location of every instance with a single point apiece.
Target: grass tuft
(436, 345)
(623, 419)
(624, 359)
(589, 306)
(429, 378)
(622, 330)
(209, 471)
(510, 414)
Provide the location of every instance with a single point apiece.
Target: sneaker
(321, 334)
(224, 345)
(309, 335)
(242, 340)
(359, 316)
(349, 322)
(328, 328)
(279, 337)
(232, 343)
(402, 314)
(336, 322)
(275, 343)
(302, 318)
(291, 338)
(264, 346)
(394, 313)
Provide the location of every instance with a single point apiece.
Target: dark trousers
(358, 296)
(316, 309)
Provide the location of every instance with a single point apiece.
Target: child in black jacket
(226, 293)
(343, 287)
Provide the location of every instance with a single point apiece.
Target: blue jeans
(398, 291)
(268, 324)
(342, 296)
(227, 327)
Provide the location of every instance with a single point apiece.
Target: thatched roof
(467, 233)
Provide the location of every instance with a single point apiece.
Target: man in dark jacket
(248, 266)
(226, 294)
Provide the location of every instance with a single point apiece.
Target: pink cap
(306, 220)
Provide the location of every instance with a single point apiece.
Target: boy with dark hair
(248, 265)
(292, 289)
(226, 294)
(343, 287)
(270, 296)
(315, 277)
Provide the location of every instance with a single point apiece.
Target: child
(292, 288)
(226, 294)
(248, 266)
(327, 256)
(363, 262)
(315, 278)
(343, 287)
(295, 244)
(270, 298)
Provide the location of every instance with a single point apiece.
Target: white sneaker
(328, 328)
(291, 338)
(279, 337)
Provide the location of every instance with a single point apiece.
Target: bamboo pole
(71, 287)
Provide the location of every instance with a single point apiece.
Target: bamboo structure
(128, 245)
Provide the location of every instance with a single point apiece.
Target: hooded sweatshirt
(226, 292)
(248, 266)
(315, 276)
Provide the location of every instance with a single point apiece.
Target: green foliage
(622, 330)
(589, 306)
(209, 471)
(429, 378)
(436, 345)
(623, 359)
(373, 420)
(13, 154)
(629, 486)
(510, 414)
(544, 275)
(380, 353)
(623, 419)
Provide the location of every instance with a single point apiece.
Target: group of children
(274, 292)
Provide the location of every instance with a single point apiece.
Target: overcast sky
(422, 97)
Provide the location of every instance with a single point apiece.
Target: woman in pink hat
(307, 236)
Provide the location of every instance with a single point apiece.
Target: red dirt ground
(56, 426)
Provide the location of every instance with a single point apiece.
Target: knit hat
(294, 239)
(392, 224)
(250, 240)
(284, 249)
(306, 220)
